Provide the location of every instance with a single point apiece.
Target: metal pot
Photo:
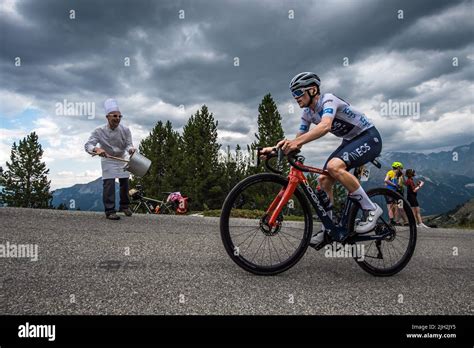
(138, 164)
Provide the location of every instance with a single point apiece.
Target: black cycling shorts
(360, 150)
(412, 200)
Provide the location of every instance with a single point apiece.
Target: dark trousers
(108, 195)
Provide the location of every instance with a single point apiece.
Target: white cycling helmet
(303, 80)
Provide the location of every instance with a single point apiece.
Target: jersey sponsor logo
(364, 122)
(303, 127)
(328, 111)
(341, 128)
(359, 151)
(351, 114)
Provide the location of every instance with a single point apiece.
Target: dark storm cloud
(191, 61)
(271, 47)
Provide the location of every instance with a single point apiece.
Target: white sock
(363, 199)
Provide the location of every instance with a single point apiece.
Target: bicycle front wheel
(250, 242)
(139, 207)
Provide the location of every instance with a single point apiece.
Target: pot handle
(118, 159)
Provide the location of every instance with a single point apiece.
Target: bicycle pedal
(327, 240)
(320, 246)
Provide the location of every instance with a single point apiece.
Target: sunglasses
(299, 92)
(119, 116)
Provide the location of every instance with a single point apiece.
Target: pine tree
(26, 181)
(162, 147)
(234, 169)
(270, 130)
(203, 183)
(2, 177)
(2, 183)
(173, 175)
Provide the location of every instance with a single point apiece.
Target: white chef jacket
(115, 142)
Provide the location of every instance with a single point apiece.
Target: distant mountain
(83, 196)
(461, 216)
(459, 161)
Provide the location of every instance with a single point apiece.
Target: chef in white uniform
(112, 139)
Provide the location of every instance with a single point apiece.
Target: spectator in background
(392, 180)
(412, 190)
(112, 139)
(401, 190)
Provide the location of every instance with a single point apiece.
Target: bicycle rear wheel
(391, 254)
(250, 242)
(167, 208)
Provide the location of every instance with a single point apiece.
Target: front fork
(338, 233)
(283, 197)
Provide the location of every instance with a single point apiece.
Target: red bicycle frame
(295, 178)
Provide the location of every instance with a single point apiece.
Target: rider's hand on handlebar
(289, 145)
(266, 151)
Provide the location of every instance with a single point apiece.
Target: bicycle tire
(226, 236)
(401, 264)
(139, 207)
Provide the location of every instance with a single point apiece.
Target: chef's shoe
(126, 211)
(112, 216)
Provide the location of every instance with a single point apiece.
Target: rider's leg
(352, 154)
(327, 183)
(337, 168)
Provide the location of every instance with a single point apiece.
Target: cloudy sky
(163, 59)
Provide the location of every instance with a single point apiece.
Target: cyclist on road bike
(361, 144)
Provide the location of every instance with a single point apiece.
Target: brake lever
(292, 154)
(258, 156)
(280, 155)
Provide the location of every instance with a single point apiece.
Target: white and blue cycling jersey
(347, 122)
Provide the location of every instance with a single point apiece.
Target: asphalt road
(178, 265)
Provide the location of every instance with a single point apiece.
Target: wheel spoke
(254, 235)
(276, 251)
(257, 249)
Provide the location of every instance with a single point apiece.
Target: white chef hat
(110, 105)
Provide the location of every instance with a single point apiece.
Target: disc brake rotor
(267, 229)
